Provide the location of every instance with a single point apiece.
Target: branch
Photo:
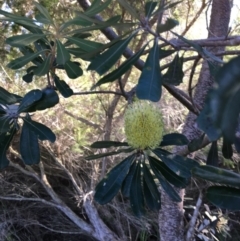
(97, 92)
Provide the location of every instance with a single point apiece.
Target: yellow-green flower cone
(143, 125)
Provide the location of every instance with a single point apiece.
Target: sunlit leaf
(29, 147)
(73, 70)
(24, 39)
(107, 188)
(149, 84)
(224, 197)
(62, 54)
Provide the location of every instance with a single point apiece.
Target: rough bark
(171, 214)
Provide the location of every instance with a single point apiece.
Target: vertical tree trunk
(171, 215)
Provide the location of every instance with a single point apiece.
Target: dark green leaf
(227, 150)
(196, 144)
(26, 50)
(77, 52)
(136, 194)
(5, 124)
(122, 69)
(103, 62)
(149, 84)
(213, 68)
(63, 87)
(8, 98)
(217, 175)
(21, 61)
(107, 144)
(165, 53)
(176, 163)
(174, 139)
(24, 39)
(85, 44)
(107, 188)
(125, 4)
(96, 7)
(174, 74)
(126, 185)
(49, 99)
(29, 147)
(41, 131)
(29, 99)
(212, 158)
(224, 197)
(151, 193)
(43, 11)
(5, 140)
(170, 176)
(78, 36)
(237, 144)
(149, 8)
(43, 68)
(73, 70)
(168, 25)
(28, 78)
(97, 156)
(164, 183)
(62, 54)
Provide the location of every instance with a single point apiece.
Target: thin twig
(97, 92)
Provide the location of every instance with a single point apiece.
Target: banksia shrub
(143, 125)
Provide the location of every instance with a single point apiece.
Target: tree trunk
(171, 224)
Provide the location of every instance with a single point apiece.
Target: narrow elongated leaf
(43, 11)
(224, 197)
(136, 194)
(77, 52)
(107, 189)
(5, 124)
(196, 144)
(26, 50)
(43, 68)
(237, 144)
(29, 99)
(63, 87)
(149, 84)
(42, 19)
(149, 8)
(126, 185)
(212, 158)
(165, 53)
(165, 185)
(174, 139)
(120, 70)
(62, 54)
(168, 25)
(78, 36)
(129, 8)
(107, 144)
(21, 61)
(86, 45)
(174, 74)
(97, 156)
(151, 193)
(24, 39)
(41, 131)
(103, 62)
(176, 163)
(217, 175)
(73, 70)
(8, 98)
(29, 147)
(170, 176)
(5, 140)
(96, 7)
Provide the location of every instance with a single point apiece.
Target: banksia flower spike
(143, 125)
